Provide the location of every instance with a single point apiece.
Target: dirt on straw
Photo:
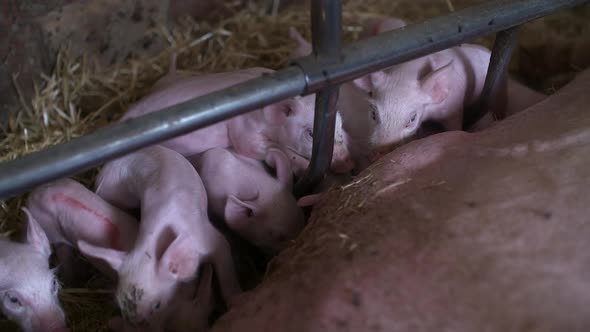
(79, 96)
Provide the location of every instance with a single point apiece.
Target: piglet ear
(309, 200)
(237, 214)
(363, 83)
(437, 84)
(303, 46)
(111, 256)
(278, 160)
(387, 24)
(277, 114)
(180, 260)
(371, 81)
(36, 235)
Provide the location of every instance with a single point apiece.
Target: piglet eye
(309, 132)
(412, 119)
(374, 113)
(157, 306)
(11, 301)
(288, 110)
(54, 286)
(249, 213)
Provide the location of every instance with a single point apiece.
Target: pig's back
(169, 91)
(219, 165)
(221, 173)
(223, 170)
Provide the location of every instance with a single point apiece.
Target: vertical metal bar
(326, 23)
(495, 79)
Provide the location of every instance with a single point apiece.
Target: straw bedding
(79, 96)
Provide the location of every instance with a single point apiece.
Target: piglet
(287, 125)
(390, 107)
(28, 287)
(68, 212)
(175, 235)
(387, 108)
(253, 203)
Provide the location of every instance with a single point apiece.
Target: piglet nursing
(28, 287)
(253, 203)
(459, 232)
(175, 235)
(387, 108)
(287, 125)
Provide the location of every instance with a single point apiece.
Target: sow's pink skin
(386, 109)
(287, 125)
(28, 287)
(175, 235)
(253, 203)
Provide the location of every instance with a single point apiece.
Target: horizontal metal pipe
(111, 142)
(415, 40)
(358, 59)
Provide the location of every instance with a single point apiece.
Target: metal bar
(416, 40)
(495, 79)
(357, 59)
(323, 141)
(108, 143)
(326, 26)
